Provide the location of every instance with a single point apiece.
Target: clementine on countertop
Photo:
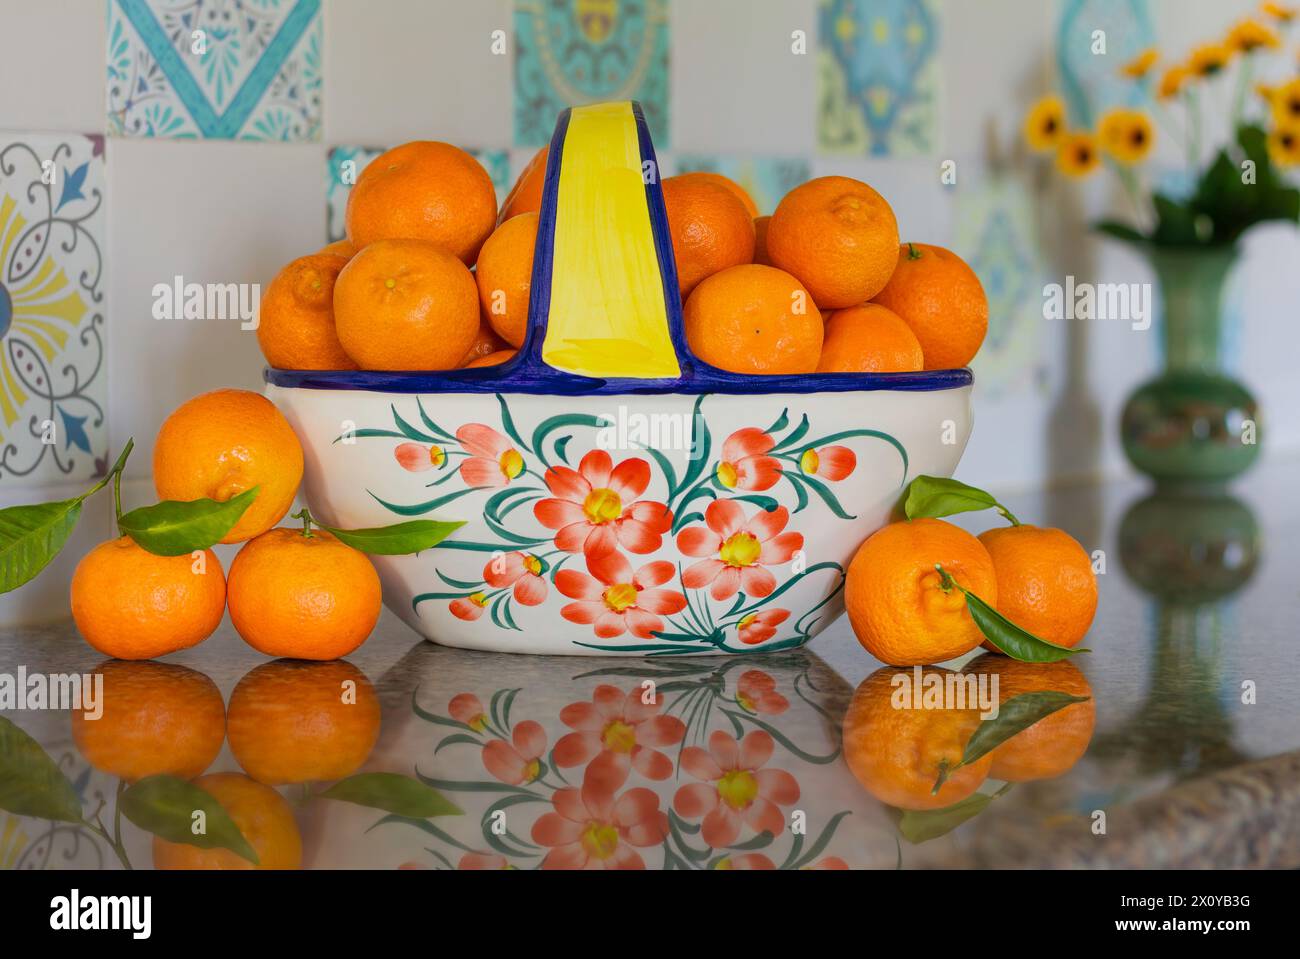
(295, 327)
(424, 190)
(306, 597)
(942, 300)
(406, 305)
(223, 443)
(711, 229)
(838, 236)
(754, 319)
(129, 603)
(895, 598)
(1045, 582)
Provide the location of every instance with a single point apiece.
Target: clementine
(895, 598)
(344, 248)
(504, 275)
(761, 223)
(484, 343)
(406, 305)
(1045, 581)
(838, 236)
(526, 195)
(710, 227)
(869, 339)
(754, 319)
(129, 603)
(295, 328)
(424, 190)
(942, 300)
(492, 359)
(220, 444)
(727, 183)
(303, 596)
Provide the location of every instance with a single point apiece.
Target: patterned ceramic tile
(878, 76)
(767, 179)
(52, 384)
(1090, 81)
(995, 230)
(569, 52)
(223, 69)
(345, 163)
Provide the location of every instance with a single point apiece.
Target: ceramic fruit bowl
(619, 496)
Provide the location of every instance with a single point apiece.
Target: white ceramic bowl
(686, 510)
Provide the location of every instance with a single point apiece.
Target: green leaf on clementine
(31, 783)
(398, 539)
(391, 792)
(166, 806)
(174, 528)
(934, 497)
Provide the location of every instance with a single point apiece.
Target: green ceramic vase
(1193, 424)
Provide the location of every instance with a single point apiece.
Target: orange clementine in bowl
(895, 598)
(942, 300)
(295, 327)
(406, 305)
(869, 339)
(710, 228)
(761, 224)
(344, 248)
(156, 718)
(220, 444)
(294, 722)
(306, 597)
(261, 814)
(424, 190)
(754, 319)
(838, 236)
(504, 275)
(492, 359)
(1051, 746)
(485, 343)
(896, 746)
(526, 195)
(1045, 581)
(727, 183)
(131, 604)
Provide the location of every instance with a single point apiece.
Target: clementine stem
(305, 515)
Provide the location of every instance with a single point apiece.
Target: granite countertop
(1193, 759)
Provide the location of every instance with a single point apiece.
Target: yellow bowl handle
(604, 300)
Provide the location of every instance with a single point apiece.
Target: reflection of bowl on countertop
(605, 379)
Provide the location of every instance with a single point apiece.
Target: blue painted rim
(526, 373)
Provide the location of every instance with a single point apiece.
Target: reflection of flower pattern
(623, 787)
(219, 69)
(52, 308)
(735, 789)
(601, 512)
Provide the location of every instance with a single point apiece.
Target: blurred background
(127, 165)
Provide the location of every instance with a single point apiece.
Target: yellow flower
(1286, 103)
(1141, 65)
(1284, 145)
(1278, 12)
(1249, 35)
(1172, 82)
(1127, 135)
(1265, 92)
(1078, 155)
(1208, 59)
(1045, 123)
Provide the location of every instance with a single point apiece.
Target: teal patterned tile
(52, 309)
(1091, 81)
(584, 51)
(220, 69)
(766, 179)
(345, 163)
(995, 232)
(878, 77)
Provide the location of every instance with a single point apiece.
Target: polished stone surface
(1187, 753)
